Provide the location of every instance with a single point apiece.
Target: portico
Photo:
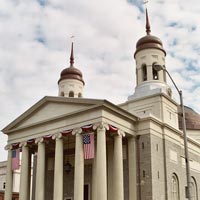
(56, 142)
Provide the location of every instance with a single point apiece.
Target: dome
(71, 73)
(192, 119)
(147, 42)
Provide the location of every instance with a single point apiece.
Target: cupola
(71, 81)
(149, 51)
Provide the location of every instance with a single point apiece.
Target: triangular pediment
(51, 108)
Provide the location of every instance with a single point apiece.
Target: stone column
(132, 168)
(94, 178)
(24, 178)
(34, 164)
(110, 170)
(58, 169)
(149, 73)
(29, 174)
(9, 174)
(40, 173)
(101, 161)
(79, 166)
(118, 180)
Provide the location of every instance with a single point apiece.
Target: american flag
(88, 146)
(15, 159)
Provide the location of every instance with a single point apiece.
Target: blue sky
(35, 45)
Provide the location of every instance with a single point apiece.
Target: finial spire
(148, 28)
(72, 55)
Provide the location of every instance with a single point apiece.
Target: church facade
(138, 147)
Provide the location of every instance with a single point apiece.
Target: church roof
(44, 111)
(192, 119)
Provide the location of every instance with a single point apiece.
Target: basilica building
(89, 149)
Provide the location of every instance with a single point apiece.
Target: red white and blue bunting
(112, 128)
(47, 137)
(31, 141)
(85, 129)
(66, 132)
(15, 145)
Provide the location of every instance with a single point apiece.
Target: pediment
(50, 108)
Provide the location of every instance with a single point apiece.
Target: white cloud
(35, 45)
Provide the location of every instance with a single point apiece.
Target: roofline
(145, 97)
(177, 131)
(97, 102)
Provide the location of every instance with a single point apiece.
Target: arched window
(175, 188)
(62, 94)
(194, 191)
(71, 94)
(164, 76)
(4, 185)
(136, 71)
(144, 72)
(155, 74)
(79, 94)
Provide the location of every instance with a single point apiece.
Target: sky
(36, 38)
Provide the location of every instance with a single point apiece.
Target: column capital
(57, 136)
(23, 144)
(8, 147)
(39, 140)
(101, 126)
(120, 133)
(77, 131)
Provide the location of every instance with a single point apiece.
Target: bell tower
(152, 96)
(149, 51)
(71, 81)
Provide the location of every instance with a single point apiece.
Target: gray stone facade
(158, 160)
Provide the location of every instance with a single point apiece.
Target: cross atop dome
(149, 41)
(72, 55)
(148, 28)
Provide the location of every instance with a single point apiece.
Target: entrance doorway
(86, 192)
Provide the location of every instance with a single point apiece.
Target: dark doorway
(86, 192)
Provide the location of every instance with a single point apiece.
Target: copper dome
(71, 73)
(192, 119)
(149, 41)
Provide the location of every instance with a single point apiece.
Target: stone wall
(144, 170)
(159, 158)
